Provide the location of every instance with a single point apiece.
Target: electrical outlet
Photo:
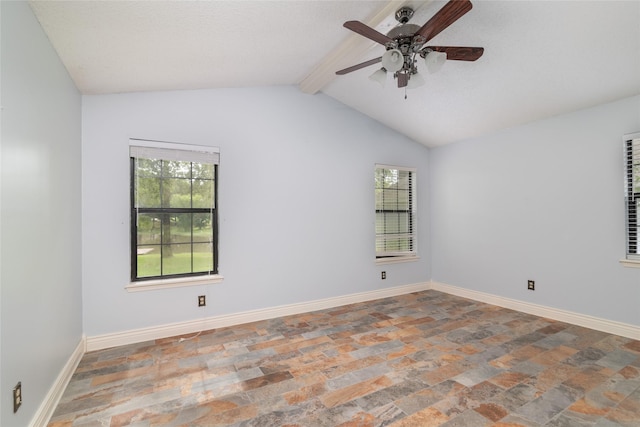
(202, 301)
(17, 397)
(383, 275)
(531, 285)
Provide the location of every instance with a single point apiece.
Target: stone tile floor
(422, 359)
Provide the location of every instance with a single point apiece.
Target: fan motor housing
(402, 31)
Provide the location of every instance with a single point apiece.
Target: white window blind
(396, 231)
(145, 149)
(632, 193)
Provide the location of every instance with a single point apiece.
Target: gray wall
(542, 201)
(296, 193)
(41, 294)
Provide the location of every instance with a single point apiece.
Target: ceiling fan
(405, 42)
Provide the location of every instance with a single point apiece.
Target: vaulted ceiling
(541, 58)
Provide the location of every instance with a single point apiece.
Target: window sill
(151, 285)
(632, 263)
(396, 260)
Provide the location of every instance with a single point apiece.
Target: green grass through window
(179, 263)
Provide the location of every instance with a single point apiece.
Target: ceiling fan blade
(368, 32)
(358, 66)
(403, 79)
(455, 53)
(446, 16)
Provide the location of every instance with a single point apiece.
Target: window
(632, 193)
(174, 220)
(395, 212)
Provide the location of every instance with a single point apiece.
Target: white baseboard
(51, 400)
(599, 324)
(192, 326)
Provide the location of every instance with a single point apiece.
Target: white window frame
(381, 236)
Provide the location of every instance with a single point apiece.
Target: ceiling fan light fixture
(415, 81)
(379, 76)
(393, 60)
(434, 61)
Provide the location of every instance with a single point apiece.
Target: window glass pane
(203, 171)
(176, 169)
(165, 221)
(202, 230)
(396, 222)
(148, 260)
(392, 245)
(180, 228)
(148, 168)
(404, 179)
(388, 245)
(379, 198)
(176, 259)
(176, 193)
(379, 222)
(403, 222)
(390, 178)
(147, 192)
(149, 229)
(202, 257)
(403, 200)
(170, 228)
(390, 199)
(202, 193)
(390, 222)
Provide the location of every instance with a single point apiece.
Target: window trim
(139, 148)
(174, 282)
(396, 259)
(411, 255)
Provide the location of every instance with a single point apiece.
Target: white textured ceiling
(541, 58)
